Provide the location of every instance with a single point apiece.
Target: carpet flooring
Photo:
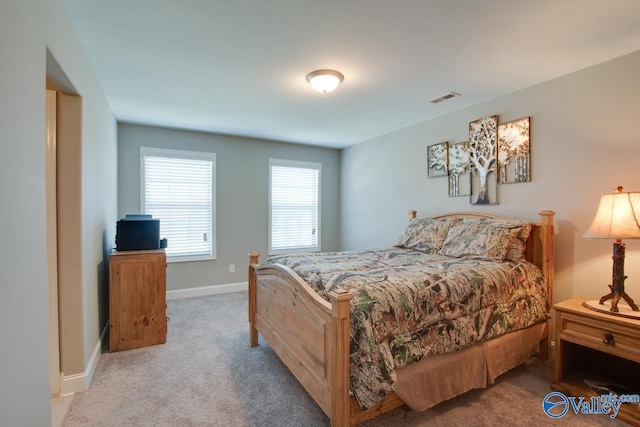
(207, 375)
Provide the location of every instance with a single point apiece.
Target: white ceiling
(238, 66)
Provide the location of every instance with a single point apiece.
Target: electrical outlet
(232, 268)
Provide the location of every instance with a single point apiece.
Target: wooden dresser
(137, 299)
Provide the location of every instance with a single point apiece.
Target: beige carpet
(206, 375)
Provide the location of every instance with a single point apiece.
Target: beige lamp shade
(618, 217)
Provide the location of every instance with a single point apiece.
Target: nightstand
(599, 347)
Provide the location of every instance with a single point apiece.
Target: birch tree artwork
(513, 151)
(483, 157)
(437, 160)
(458, 166)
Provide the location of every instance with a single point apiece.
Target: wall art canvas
(483, 157)
(437, 159)
(513, 152)
(459, 184)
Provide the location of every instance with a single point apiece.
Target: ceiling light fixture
(324, 80)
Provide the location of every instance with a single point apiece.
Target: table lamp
(618, 217)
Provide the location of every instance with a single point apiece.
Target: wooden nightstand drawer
(600, 335)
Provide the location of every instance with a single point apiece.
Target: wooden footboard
(311, 335)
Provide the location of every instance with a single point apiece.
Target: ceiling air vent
(444, 97)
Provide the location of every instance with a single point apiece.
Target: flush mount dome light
(324, 80)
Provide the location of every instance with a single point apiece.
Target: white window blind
(178, 188)
(294, 206)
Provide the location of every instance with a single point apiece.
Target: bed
(317, 327)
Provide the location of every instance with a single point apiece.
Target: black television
(137, 232)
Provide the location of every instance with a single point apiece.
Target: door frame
(52, 241)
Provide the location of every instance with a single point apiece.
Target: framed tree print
(459, 169)
(437, 161)
(513, 151)
(483, 159)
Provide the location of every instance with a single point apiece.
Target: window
(294, 206)
(178, 188)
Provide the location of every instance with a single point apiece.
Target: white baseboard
(77, 383)
(206, 290)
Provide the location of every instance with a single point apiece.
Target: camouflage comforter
(408, 305)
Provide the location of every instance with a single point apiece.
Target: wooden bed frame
(311, 335)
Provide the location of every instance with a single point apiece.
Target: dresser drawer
(600, 335)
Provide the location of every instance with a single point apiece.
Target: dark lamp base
(615, 297)
(618, 278)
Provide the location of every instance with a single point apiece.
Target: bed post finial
(412, 214)
(253, 257)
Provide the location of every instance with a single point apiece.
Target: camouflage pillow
(515, 251)
(478, 240)
(425, 234)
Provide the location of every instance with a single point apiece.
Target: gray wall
(27, 30)
(241, 195)
(23, 306)
(584, 143)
